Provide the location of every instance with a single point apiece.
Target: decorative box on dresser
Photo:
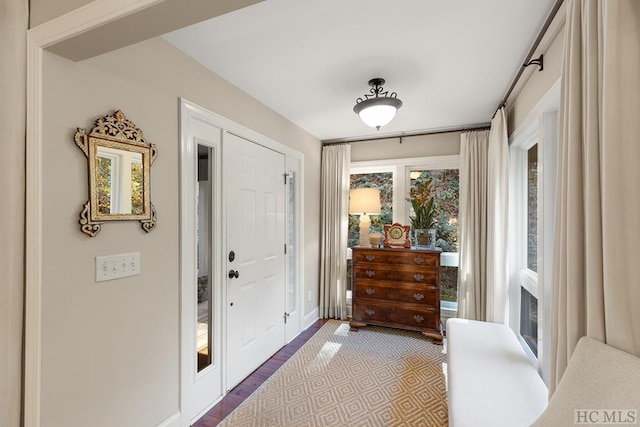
(397, 287)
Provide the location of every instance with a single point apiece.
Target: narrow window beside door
(205, 274)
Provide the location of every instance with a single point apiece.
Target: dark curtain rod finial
(538, 61)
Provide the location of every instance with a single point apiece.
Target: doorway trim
(189, 110)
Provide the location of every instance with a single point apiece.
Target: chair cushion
(600, 380)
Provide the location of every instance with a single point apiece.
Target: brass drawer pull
(369, 312)
(370, 258)
(369, 291)
(418, 318)
(418, 261)
(418, 277)
(370, 273)
(418, 297)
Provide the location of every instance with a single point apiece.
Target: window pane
(445, 189)
(292, 223)
(204, 238)
(529, 319)
(532, 208)
(383, 181)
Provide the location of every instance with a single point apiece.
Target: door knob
(233, 274)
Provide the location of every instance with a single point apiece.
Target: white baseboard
(309, 319)
(172, 421)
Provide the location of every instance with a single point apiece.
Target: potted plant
(424, 208)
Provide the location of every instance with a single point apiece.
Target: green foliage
(423, 204)
(103, 181)
(137, 203)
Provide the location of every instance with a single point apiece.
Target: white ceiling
(450, 62)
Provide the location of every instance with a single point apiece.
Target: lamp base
(365, 224)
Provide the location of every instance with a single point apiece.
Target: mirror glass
(119, 182)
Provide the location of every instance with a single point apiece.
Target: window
(292, 238)
(532, 208)
(532, 170)
(526, 174)
(445, 189)
(529, 319)
(383, 181)
(394, 179)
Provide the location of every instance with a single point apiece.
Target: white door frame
(194, 122)
(291, 157)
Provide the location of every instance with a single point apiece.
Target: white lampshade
(364, 201)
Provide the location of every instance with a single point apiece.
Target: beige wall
(110, 350)
(537, 85)
(442, 144)
(41, 11)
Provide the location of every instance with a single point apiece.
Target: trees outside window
(383, 181)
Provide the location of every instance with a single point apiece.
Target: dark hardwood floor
(236, 396)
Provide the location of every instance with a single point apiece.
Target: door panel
(255, 232)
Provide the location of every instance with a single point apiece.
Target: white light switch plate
(111, 267)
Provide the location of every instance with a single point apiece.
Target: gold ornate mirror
(119, 160)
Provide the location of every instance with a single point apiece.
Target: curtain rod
(528, 60)
(482, 126)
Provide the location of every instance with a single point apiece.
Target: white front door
(255, 204)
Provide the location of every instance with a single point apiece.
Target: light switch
(111, 267)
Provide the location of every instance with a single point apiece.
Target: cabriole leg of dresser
(437, 337)
(354, 325)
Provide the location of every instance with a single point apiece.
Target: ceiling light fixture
(379, 108)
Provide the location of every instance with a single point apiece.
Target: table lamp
(364, 202)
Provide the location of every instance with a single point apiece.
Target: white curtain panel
(483, 265)
(13, 32)
(596, 282)
(334, 228)
(472, 230)
(497, 223)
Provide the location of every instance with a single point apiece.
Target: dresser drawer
(412, 316)
(407, 292)
(408, 257)
(400, 273)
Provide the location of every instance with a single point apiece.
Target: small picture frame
(397, 236)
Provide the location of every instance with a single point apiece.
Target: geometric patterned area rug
(373, 377)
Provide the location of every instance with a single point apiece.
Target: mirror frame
(117, 132)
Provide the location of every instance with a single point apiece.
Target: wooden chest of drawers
(398, 288)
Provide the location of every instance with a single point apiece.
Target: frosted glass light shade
(364, 201)
(377, 112)
(378, 115)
